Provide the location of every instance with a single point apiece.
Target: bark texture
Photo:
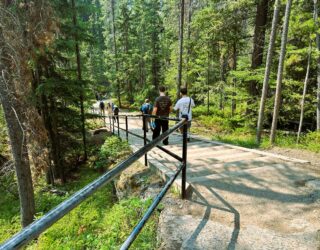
(258, 41)
(315, 15)
(79, 75)
(181, 28)
(268, 69)
(305, 84)
(280, 72)
(115, 48)
(16, 120)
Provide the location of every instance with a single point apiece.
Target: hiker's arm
(155, 109)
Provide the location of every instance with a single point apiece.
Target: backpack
(116, 110)
(101, 105)
(146, 108)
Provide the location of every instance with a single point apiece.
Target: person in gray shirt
(162, 108)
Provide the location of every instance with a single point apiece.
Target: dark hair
(184, 91)
(147, 100)
(162, 88)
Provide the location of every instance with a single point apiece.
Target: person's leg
(165, 127)
(188, 132)
(157, 129)
(147, 119)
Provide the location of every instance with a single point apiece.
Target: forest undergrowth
(101, 222)
(222, 127)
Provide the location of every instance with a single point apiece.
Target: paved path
(239, 198)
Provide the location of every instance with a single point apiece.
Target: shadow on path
(227, 208)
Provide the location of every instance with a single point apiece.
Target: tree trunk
(304, 92)
(315, 15)
(268, 69)
(125, 35)
(142, 49)
(280, 72)
(44, 111)
(208, 79)
(15, 120)
(155, 61)
(48, 124)
(257, 54)
(188, 45)
(79, 75)
(234, 67)
(223, 80)
(258, 41)
(115, 51)
(181, 29)
(19, 151)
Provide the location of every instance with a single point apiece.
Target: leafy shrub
(121, 220)
(203, 110)
(112, 151)
(312, 141)
(215, 123)
(236, 121)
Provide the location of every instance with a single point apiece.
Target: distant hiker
(109, 109)
(162, 107)
(185, 105)
(101, 105)
(146, 109)
(115, 113)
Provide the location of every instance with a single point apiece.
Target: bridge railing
(39, 226)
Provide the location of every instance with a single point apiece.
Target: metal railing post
(127, 134)
(145, 139)
(117, 117)
(113, 124)
(184, 161)
(110, 123)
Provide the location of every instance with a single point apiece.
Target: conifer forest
(252, 68)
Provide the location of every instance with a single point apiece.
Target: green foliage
(202, 110)
(243, 139)
(235, 130)
(123, 217)
(218, 120)
(311, 141)
(113, 150)
(98, 223)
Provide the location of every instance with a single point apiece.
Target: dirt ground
(314, 158)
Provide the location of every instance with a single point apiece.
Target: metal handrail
(182, 168)
(177, 157)
(150, 210)
(37, 227)
(141, 115)
(144, 116)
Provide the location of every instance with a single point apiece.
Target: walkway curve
(238, 198)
